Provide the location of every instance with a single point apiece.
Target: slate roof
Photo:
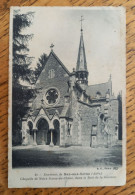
(56, 57)
(103, 88)
(51, 59)
(51, 111)
(67, 111)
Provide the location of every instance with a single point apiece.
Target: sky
(103, 33)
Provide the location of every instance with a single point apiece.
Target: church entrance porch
(46, 136)
(43, 136)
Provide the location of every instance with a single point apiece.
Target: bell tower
(81, 67)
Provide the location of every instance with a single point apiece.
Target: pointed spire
(81, 22)
(81, 60)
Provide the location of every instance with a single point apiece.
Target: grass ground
(45, 156)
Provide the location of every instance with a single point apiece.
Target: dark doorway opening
(56, 133)
(48, 137)
(43, 128)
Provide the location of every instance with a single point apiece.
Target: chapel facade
(67, 111)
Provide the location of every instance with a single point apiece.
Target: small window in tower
(51, 73)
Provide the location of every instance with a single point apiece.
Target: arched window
(51, 74)
(116, 128)
(68, 129)
(105, 119)
(102, 116)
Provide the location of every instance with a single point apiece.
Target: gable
(54, 71)
(54, 76)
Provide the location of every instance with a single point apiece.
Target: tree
(21, 63)
(21, 60)
(41, 64)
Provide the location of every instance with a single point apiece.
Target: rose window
(52, 96)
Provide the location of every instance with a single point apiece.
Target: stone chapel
(69, 112)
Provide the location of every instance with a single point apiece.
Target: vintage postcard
(67, 118)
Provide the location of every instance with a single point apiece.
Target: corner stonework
(62, 131)
(25, 136)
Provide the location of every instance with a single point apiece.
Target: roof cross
(51, 46)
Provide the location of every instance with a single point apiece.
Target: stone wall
(88, 115)
(82, 124)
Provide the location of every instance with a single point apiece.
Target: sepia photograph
(67, 96)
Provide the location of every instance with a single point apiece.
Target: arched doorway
(42, 133)
(56, 133)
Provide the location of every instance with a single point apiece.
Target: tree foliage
(40, 65)
(21, 60)
(21, 70)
